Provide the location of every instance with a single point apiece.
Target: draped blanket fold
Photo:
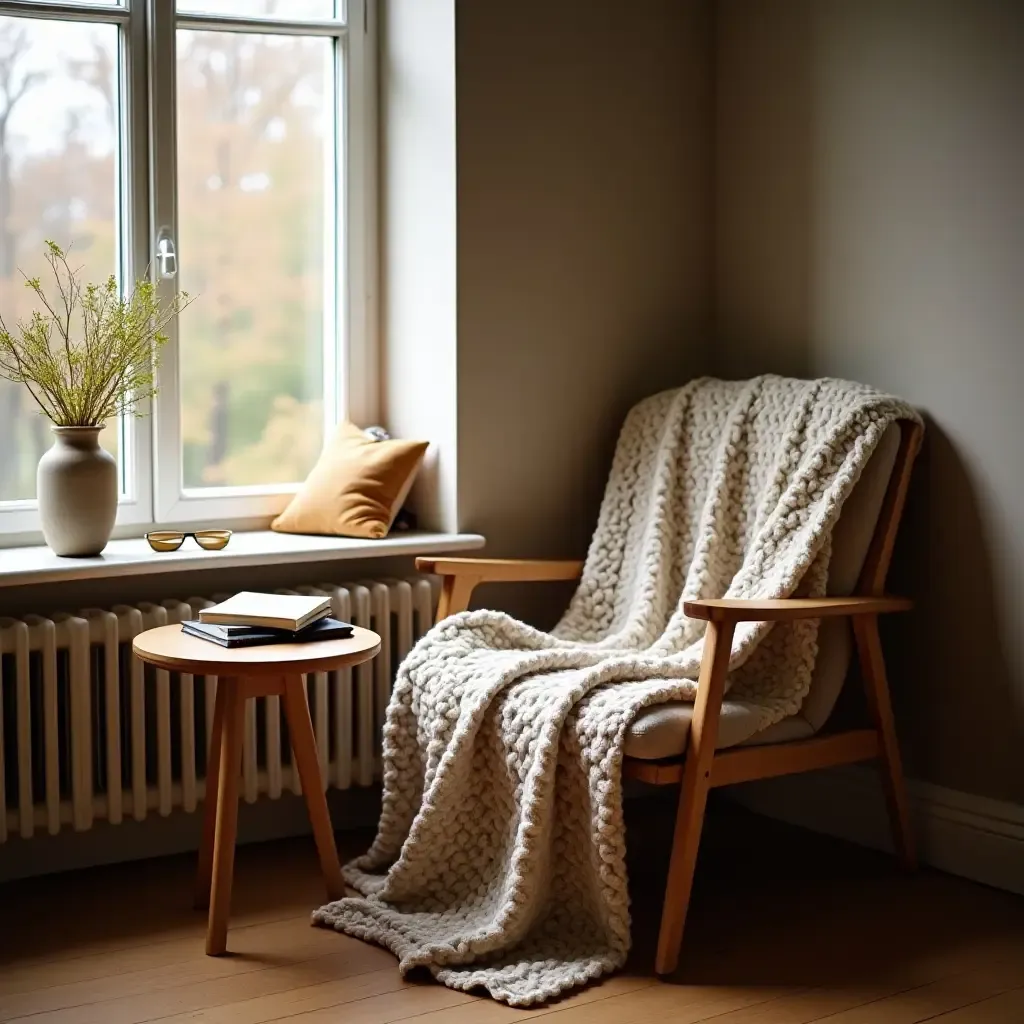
(499, 861)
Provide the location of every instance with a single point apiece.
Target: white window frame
(151, 445)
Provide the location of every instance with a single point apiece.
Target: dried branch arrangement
(92, 353)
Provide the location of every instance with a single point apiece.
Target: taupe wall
(870, 224)
(583, 234)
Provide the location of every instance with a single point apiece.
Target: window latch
(166, 257)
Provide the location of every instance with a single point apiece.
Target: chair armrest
(787, 609)
(461, 576)
(501, 570)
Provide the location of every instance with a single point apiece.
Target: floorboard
(1000, 1009)
(785, 928)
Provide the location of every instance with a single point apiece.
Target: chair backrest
(876, 565)
(862, 545)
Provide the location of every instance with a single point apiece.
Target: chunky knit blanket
(499, 861)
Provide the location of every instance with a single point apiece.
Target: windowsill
(134, 557)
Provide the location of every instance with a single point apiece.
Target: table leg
(232, 731)
(300, 729)
(204, 875)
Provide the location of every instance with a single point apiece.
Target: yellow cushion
(355, 489)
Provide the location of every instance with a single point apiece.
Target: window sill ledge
(134, 557)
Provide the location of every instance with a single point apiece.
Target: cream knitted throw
(499, 860)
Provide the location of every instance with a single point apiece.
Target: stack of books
(249, 619)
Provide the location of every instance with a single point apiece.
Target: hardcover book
(254, 636)
(276, 611)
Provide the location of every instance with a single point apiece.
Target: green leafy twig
(110, 369)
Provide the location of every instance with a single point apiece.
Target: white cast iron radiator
(88, 732)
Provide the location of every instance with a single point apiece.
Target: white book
(279, 611)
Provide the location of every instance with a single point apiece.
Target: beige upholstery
(662, 731)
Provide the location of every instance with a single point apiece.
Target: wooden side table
(244, 672)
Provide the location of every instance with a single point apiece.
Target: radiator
(87, 732)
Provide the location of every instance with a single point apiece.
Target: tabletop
(169, 648)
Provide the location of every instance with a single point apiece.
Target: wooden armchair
(699, 756)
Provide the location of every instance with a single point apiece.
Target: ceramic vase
(76, 486)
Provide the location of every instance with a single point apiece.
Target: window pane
(295, 10)
(255, 138)
(58, 180)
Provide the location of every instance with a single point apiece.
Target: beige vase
(76, 485)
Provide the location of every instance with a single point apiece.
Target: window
(226, 148)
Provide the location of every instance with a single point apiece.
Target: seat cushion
(663, 730)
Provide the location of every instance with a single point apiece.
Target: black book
(254, 636)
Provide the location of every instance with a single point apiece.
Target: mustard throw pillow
(355, 489)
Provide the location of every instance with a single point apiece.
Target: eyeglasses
(171, 540)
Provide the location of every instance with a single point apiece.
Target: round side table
(244, 672)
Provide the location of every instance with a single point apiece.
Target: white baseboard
(179, 832)
(972, 836)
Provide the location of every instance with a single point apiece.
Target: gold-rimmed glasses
(171, 540)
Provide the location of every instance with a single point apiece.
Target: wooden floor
(786, 928)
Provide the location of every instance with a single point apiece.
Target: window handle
(166, 257)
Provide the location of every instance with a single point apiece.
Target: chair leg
(455, 594)
(876, 688)
(204, 875)
(693, 794)
(232, 732)
(300, 729)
